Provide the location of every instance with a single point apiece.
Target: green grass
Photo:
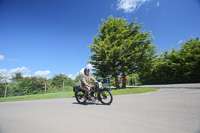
(132, 90)
(39, 96)
(71, 94)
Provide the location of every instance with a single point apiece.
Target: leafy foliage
(78, 77)
(181, 66)
(121, 48)
(31, 85)
(3, 80)
(57, 81)
(17, 76)
(34, 85)
(2, 89)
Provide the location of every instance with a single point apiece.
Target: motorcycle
(97, 93)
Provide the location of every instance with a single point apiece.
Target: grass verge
(71, 94)
(131, 90)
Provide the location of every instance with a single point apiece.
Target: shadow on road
(87, 103)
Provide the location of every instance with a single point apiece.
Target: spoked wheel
(80, 97)
(105, 97)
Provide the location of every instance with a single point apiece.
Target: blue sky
(48, 37)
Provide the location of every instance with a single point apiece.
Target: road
(173, 86)
(163, 111)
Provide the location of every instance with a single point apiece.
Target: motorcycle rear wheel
(105, 97)
(80, 97)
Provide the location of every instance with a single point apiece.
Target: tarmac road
(163, 111)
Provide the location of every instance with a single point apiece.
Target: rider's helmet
(86, 69)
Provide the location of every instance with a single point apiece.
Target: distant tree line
(20, 85)
(176, 66)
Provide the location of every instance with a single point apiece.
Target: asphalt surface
(166, 110)
(173, 86)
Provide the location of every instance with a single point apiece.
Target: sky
(49, 37)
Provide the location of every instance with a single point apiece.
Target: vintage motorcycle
(97, 93)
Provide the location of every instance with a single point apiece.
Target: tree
(137, 52)
(57, 80)
(17, 76)
(120, 48)
(78, 77)
(31, 85)
(3, 83)
(61, 80)
(1, 78)
(189, 56)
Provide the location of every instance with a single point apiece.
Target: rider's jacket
(86, 80)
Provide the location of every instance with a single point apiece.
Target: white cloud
(130, 5)
(71, 76)
(25, 72)
(1, 57)
(22, 70)
(158, 3)
(4, 71)
(89, 66)
(181, 42)
(26, 75)
(42, 73)
(9, 73)
(81, 71)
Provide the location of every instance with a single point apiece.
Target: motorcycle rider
(85, 83)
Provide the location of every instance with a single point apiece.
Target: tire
(105, 97)
(80, 97)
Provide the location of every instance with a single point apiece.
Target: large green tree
(120, 48)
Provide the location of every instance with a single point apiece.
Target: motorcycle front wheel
(80, 97)
(105, 97)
